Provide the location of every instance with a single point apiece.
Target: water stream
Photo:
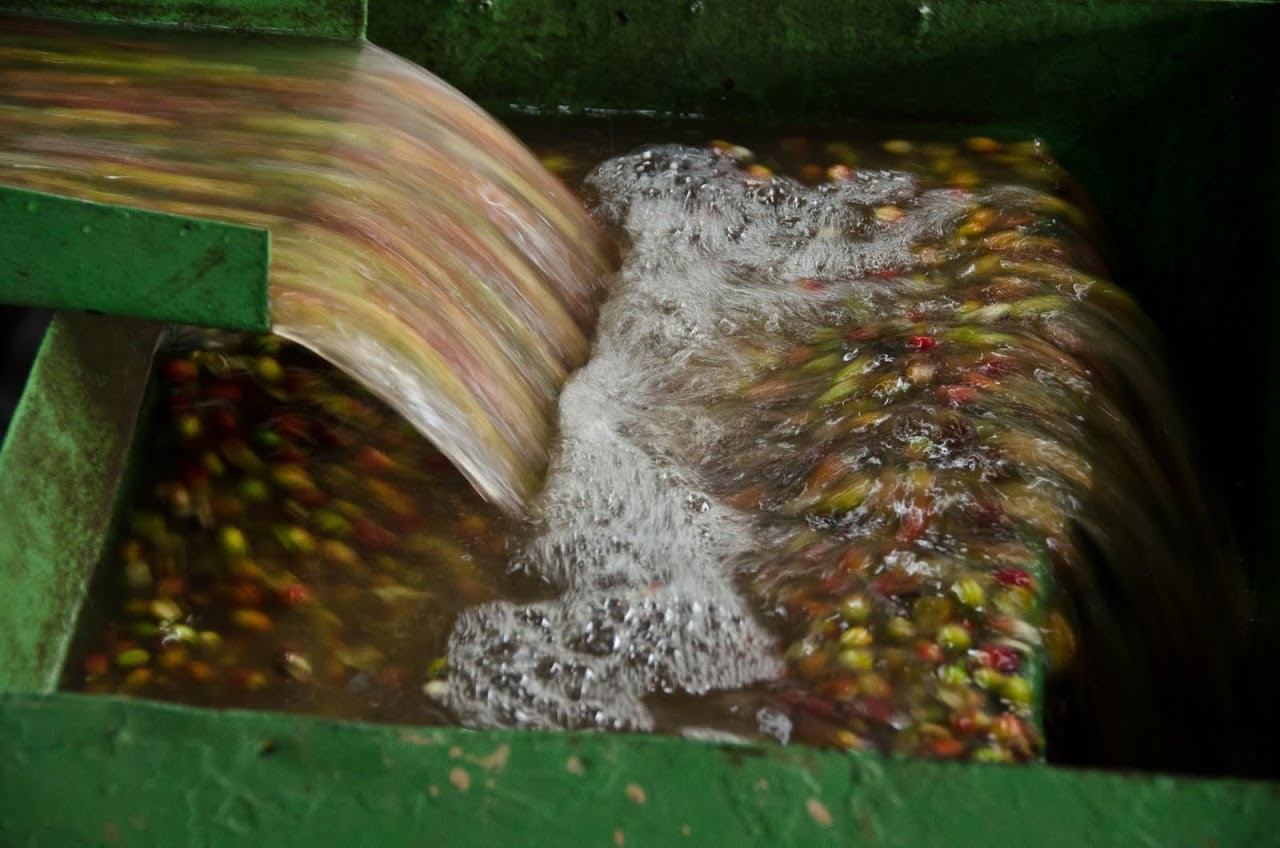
(415, 242)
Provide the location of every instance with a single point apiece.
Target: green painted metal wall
(102, 771)
(342, 20)
(963, 60)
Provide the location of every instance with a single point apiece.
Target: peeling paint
(619, 838)
(818, 812)
(325, 785)
(636, 793)
(574, 765)
(413, 737)
(496, 760)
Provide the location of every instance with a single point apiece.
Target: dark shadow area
(21, 330)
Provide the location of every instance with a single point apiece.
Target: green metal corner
(342, 20)
(61, 465)
(73, 254)
(141, 774)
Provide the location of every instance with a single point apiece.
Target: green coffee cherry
(856, 637)
(133, 658)
(990, 755)
(969, 592)
(1016, 690)
(855, 609)
(900, 629)
(856, 659)
(266, 368)
(254, 491)
(953, 638)
(233, 542)
(988, 678)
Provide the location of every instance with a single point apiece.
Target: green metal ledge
(74, 254)
(106, 771)
(342, 20)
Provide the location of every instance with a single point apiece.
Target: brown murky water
(865, 439)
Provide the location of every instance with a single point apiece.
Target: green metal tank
(1165, 110)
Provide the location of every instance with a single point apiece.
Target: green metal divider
(72, 254)
(60, 467)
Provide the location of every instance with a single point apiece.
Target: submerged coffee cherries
(907, 417)
(871, 456)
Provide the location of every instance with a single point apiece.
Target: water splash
(646, 560)
(864, 418)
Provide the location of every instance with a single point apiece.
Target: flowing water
(414, 241)
(866, 446)
(892, 408)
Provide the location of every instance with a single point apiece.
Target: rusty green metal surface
(342, 20)
(60, 468)
(143, 774)
(71, 254)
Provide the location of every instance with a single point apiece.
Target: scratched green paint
(72, 254)
(104, 771)
(342, 20)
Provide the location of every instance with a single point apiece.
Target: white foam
(646, 562)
